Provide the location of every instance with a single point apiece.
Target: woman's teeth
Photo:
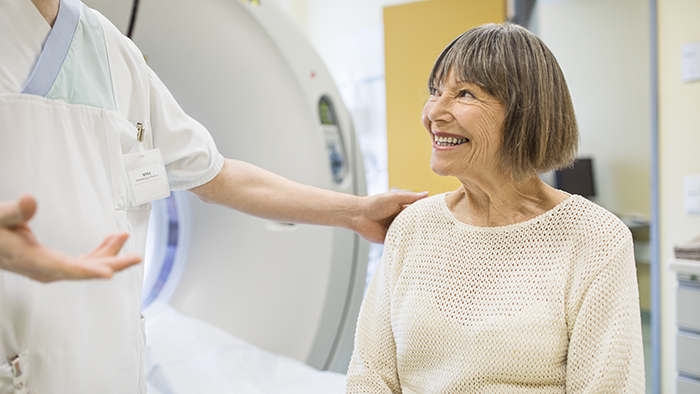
(450, 141)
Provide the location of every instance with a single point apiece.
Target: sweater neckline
(537, 219)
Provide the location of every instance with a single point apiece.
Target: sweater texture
(549, 305)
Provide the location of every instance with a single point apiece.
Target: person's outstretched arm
(21, 253)
(255, 191)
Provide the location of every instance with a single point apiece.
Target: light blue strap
(55, 49)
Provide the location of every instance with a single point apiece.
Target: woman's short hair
(513, 65)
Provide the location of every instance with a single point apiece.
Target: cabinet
(688, 322)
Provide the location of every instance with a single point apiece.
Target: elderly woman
(505, 285)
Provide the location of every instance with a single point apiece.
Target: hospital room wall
(602, 47)
(679, 155)
(330, 24)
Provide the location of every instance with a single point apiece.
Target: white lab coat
(65, 146)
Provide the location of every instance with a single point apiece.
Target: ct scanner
(245, 71)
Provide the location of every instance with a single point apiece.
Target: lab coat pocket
(122, 139)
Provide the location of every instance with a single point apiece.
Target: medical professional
(93, 135)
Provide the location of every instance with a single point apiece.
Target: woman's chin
(441, 169)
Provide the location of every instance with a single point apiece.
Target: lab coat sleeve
(189, 151)
(605, 344)
(373, 367)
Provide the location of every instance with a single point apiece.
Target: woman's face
(466, 126)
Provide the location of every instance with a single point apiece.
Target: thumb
(16, 213)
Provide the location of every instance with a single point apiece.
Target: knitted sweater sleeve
(373, 367)
(605, 345)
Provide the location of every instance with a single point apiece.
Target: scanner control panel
(335, 148)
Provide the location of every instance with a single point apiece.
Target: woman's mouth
(449, 141)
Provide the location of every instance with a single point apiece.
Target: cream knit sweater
(549, 305)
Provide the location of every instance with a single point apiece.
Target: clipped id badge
(146, 173)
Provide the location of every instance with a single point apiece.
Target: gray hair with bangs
(514, 66)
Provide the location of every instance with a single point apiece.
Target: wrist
(354, 213)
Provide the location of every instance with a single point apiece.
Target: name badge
(147, 176)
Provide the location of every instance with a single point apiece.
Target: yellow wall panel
(414, 36)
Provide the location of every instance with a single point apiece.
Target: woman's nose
(434, 112)
(439, 109)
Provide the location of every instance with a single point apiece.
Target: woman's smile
(441, 140)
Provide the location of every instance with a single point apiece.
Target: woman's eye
(433, 92)
(466, 93)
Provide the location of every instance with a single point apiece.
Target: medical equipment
(246, 72)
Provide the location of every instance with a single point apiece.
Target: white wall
(327, 22)
(603, 48)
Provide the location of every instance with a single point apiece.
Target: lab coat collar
(55, 49)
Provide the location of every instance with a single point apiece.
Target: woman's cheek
(424, 116)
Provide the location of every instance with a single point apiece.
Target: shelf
(685, 266)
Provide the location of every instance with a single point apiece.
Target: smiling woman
(466, 124)
(505, 285)
(512, 67)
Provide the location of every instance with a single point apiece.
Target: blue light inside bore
(170, 252)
